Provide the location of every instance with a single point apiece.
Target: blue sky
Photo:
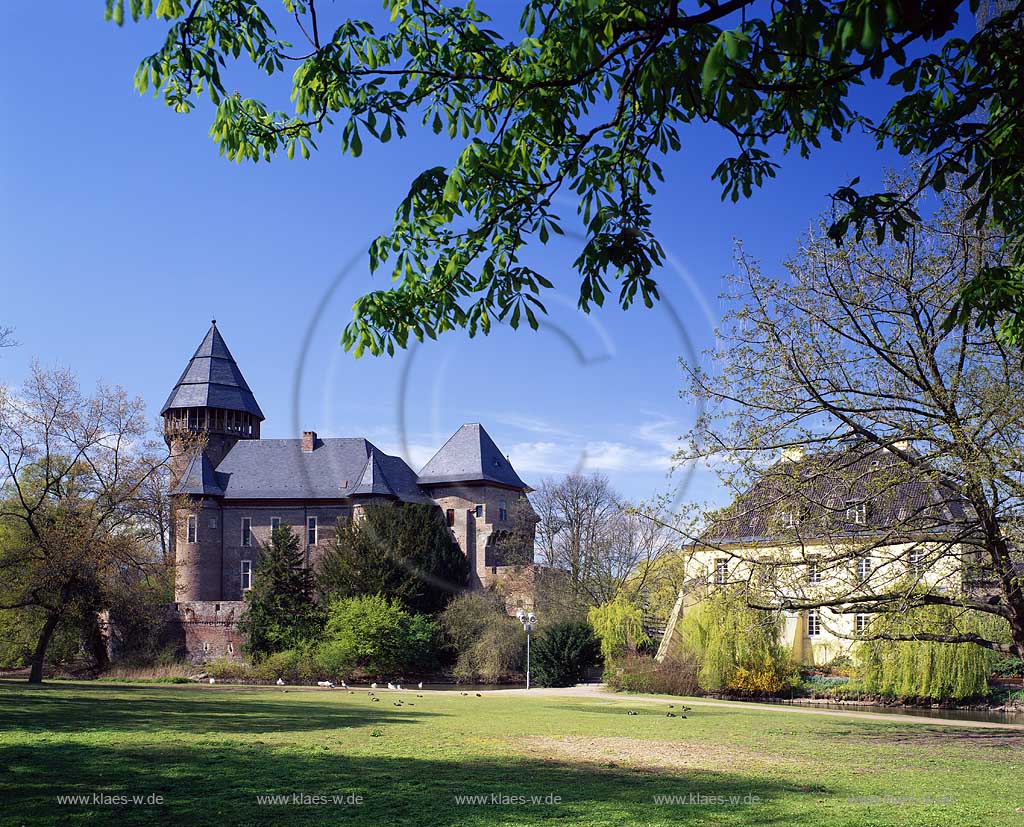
(122, 233)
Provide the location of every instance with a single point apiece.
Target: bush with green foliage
(484, 642)
(405, 552)
(375, 636)
(737, 647)
(619, 625)
(923, 669)
(562, 653)
(280, 612)
(675, 675)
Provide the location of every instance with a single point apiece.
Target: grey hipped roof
(200, 479)
(212, 380)
(470, 455)
(335, 468)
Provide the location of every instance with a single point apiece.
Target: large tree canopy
(587, 97)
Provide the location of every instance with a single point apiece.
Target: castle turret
(482, 497)
(209, 410)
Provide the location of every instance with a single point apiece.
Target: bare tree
(7, 337)
(71, 471)
(602, 543)
(856, 424)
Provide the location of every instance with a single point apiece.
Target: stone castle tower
(209, 410)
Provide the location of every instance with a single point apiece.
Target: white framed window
(246, 575)
(857, 512)
(311, 531)
(813, 623)
(915, 561)
(813, 570)
(721, 571)
(788, 519)
(192, 530)
(502, 510)
(275, 523)
(860, 624)
(246, 531)
(863, 568)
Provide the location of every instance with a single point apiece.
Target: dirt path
(599, 691)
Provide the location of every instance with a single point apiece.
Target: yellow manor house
(838, 530)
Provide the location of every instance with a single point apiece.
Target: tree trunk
(36, 675)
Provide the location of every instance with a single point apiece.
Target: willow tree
(585, 98)
(852, 425)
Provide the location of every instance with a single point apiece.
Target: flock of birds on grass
(668, 714)
(398, 687)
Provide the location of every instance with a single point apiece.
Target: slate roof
(212, 380)
(200, 479)
(470, 455)
(335, 468)
(820, 487)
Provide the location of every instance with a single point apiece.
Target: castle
(230, 489)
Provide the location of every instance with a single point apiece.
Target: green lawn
(211, 751)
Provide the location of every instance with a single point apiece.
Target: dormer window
(788, 519)
(856, 512)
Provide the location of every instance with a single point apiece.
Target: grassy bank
(211, 752)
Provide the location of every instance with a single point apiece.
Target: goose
(213, 680)
(390, 685)
(419, 685)
(373, 686)
(344, 685)
(632, 712)
(280, 681)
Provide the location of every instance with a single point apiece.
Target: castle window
(231, 648)
(479, 511)
(213, 522)
(863, 568)
(246, 531)
(246, 575)
(813, 570)
(721, 571)
(311, 531)
(813, 623)
(860, 624)
(206, 646)
(275, 523)
(502, 510)
(449, 516)
(192, 528)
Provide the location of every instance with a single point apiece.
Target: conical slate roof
(470, 455)
(373, 480)
(213, 380)
(199, 479)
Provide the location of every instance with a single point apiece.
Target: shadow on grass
(52, 708)
(220, 784)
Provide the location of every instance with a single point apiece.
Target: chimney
(308, 441)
